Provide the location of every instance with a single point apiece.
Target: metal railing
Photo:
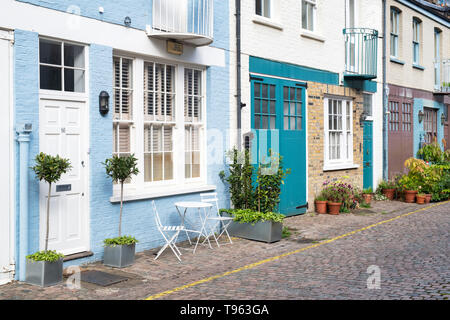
(442, 76)
(361, 49)
(190, 17)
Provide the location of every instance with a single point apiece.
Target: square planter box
(44, 273)
(119, 256)
(266, 231)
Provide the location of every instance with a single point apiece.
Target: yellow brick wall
(316, 135)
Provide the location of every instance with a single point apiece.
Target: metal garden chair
(222, 222)
(165, 230)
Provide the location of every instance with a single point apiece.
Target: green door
(368, 155)
(278, 118)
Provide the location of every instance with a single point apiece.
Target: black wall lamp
(103, 102)
(443, 119)
(421, 115)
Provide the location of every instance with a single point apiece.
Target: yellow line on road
(253, 265)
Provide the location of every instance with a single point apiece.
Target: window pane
(310, 17)
(49, 52)
(157, 167)
(50, 78)
(258, 7)
(74, 80)
(267, 8)
(148, 162)
(73, 56)
(304, 14)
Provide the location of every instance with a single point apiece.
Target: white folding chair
(165, 230)
(222, 222)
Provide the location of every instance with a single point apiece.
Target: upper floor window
(416, 41)
(395, 31)
(262, 8)
(61, 66)
(308, 14)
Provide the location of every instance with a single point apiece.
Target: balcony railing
(442, 76)
(361, 49)
(188, 21)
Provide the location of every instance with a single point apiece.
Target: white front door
(63, 131)
(6, 220)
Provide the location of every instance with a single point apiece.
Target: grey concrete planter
(44, 273)
(266, 231)
(119, 256)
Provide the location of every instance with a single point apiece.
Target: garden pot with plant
(254, 225)
(388, 189)
(428, 197)
(367, 195)
(321, 204)
(45, 268)
(341, 196)
(420, 198)
(120, 251)
(334, 207)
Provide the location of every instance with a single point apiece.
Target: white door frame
(82, 98)
(7, 118)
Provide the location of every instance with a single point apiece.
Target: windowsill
(164, 192)
(395, 60)
(311, 35)
(344, 166)
(267, 22)
(416, 66)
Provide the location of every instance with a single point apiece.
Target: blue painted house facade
(169, 109)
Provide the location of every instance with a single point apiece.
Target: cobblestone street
(326, 257)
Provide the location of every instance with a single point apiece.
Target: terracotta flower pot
(410, 196)
(389, 193)
(428, 198)
(367, 198)
(321, 207)
(420, 199)
(334, 207)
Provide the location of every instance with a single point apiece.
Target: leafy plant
(47, 255)
(250, 216)
(431, 153)
(368, 190)
(269, 179)
(120, 241)
(364, 205)
(387, 184)
(380, 197)
(340, 191)
(240, 179)
(50, 169)
(321, 197)
(286, 233)
(120, 169)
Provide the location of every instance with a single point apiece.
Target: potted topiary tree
(45, 268)
(120, 251)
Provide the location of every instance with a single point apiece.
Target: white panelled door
(63, 131)
(6, 220)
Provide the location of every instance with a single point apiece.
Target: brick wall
(316, 175)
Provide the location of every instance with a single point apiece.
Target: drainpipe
(23, 138)
(385, 100)
(238, 73)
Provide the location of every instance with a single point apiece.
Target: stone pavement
(412, 254)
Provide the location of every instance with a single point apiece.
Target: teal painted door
(368, 155)
(278, 118)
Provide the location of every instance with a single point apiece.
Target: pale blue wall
(115, 11)
(138, 219)
(419, 132)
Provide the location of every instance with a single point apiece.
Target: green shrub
(120, 241)
(368, 190)
(48, 255)
(432, 153)
(250, 216)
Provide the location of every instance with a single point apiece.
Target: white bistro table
(202, 207)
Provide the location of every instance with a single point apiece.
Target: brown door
(400, 128)
(430, 125)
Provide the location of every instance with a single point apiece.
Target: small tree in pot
(119, 252)
(45, 268)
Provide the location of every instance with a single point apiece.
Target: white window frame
(138, 188)
(345, 146)
(264, 14)
(394, 34)
(312, 3)
(63, 67)
(416, 28)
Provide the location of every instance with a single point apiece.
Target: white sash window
(159, 116)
